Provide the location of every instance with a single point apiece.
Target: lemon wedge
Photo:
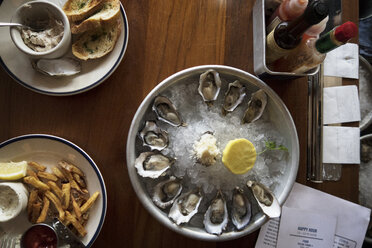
(239, 156)
(13, 170)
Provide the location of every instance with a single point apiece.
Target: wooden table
(165, 37)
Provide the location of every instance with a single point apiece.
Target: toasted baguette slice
(77, 10)
(109, 12)
(97, 43)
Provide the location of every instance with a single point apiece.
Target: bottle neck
(327, 43)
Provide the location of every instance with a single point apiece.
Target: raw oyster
(185, 206)
(241, 209)
(57, 67)
(209, 86)
(265, 198)
(152, 164)
(153, 136)
(216, 217)
(233, 97)
(166, 192)
(256, 107)
(166, 111)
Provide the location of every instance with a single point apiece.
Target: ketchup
(39, 236)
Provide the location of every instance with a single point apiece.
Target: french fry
(57, 204)
(44, 210)
(31, 200)
(37, 166)
(55, 189)
(76, 209)
(80, 180)
(73, 183)
(66, 187)
(36, 183)
(35, 211)
(88, 204)
(81, 230)
(71, 168)
(47, 176)
(31, 173)
(58, 173)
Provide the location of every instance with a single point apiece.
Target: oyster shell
(166, 111)
(265, 198)
(241, 209)
(166, 192)
(57, 67)
(256, 107)
(233, 96)
(153, 136)
(185, 206)
(209, 85)
(152, 164)
(216, 217)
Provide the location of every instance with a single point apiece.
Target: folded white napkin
(343, 62)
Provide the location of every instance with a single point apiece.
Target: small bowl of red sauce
(39, 236)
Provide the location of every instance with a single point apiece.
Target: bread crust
(97, 42)
(109, 12)
(77, 10)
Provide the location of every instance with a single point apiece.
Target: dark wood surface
(165, 37)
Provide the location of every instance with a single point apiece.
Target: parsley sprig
(271, 145)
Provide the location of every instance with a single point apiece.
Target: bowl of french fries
(62, 182)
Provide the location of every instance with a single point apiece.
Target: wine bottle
(288, 10)
(287, 35)
(313, 52)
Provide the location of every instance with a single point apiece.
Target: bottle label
(273, 51)
(273, 24)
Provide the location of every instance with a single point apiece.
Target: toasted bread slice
(97, 43)
(77, 10)
(109, 12)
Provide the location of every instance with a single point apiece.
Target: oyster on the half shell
(241, 209)
(209, 85)
(265, 198)
(233, 96)
(256, 107)
(153, 136)
(57, 67)
(166, 111)
(185, 206)
(216, 216)
(166, 192)
(152, 164)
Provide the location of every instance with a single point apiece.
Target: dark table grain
(165, 37)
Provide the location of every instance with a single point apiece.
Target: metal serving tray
(279, 115)
(259, 47)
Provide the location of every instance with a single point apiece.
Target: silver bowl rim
(365, 123)
(130, 152)
(367, 239)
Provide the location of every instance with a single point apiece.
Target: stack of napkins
(311, 218)
(341, 105)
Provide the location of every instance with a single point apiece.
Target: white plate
(19, 67)
(49, 150)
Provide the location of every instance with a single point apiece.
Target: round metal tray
(279, 116)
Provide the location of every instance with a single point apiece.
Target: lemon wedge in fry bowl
(239, 156)
(13, 170)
